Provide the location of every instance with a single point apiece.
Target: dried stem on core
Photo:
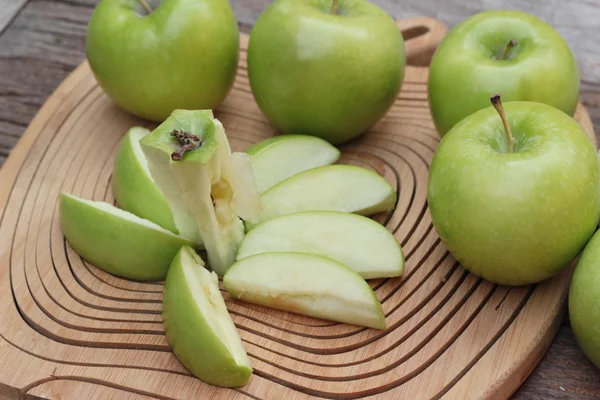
(509, 46)
(497, 103)
(146, 6)
(187, 141)
(334, 7)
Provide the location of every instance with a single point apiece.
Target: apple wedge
(355, 241)
(198, 326)
(208, 187)
(346, 188)
(305, 284)
(280, 157)
(132, 184)
(116, 241)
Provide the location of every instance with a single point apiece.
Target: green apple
(325, 68)
(346, 188)
(515, 209)
(207, 186)
(132, 184)
(280, 157)
(356, 241)
(510, 52)
(198, 326)
(584, 298)
(151, 61)
(305, 284)
(116, 241)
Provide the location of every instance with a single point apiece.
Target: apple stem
(187, 141)
(497, 103)
(146, 6)
(509, 46)
(334, 7)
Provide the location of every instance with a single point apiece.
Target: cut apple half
(198, 327)
(306, 284)
(345, 188)
(280, 157)
(205, 184)
(355, 241)
(116, 241)
(133, 186)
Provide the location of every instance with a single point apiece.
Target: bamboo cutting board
(70, 331)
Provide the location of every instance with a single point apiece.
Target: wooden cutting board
(68, 330)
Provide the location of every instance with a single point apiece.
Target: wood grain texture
(67, 326)
(45, 42)
(9, 8)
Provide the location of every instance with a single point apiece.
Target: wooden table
(42, 41)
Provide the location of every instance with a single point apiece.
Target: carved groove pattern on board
(68, 328)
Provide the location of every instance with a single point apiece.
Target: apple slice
(356, 241)
(305, 284)
(280, 157)
(346, 188)
(198, 326)
(206, 185)
(116, 241)
(132, 184)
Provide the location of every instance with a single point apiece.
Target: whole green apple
(510, 52)
(584, 297)
(182, 54)
(515, 211)
(325, 68)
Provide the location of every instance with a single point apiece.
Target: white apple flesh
(356, 241)
(305, 284)
(346, 188)
(280, 157)
(198, 326)
(133, 186)
(116, 241)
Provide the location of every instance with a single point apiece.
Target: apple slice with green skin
(198, 326)
(208, 187)
(305, 284)
(346, 188)
(280, 157)
(356, 241)
(116, 241)
(132, 184)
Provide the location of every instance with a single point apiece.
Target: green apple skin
(305, 284)
(116, 241)
(197, 325)
(515, 218)
(466, 68)
(280, 157)
(182, 55)
(345, 188)
(326, 75)
(584, 297)
(353, 240)
(133, 187)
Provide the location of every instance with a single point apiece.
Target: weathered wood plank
(563, 374)
(9, 8)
